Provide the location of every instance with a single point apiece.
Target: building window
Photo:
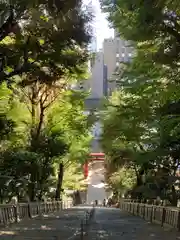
(123, 50)
(123, 55)
(81, 86)
(130, 54)
(117, 54)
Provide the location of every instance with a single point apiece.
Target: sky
(100, 24)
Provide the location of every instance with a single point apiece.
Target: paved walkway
(113, 224)
(95, 180)
(57, 226)
(107, 224)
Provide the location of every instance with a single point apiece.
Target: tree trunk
(138, 176)
(41, 120)
(60, 180)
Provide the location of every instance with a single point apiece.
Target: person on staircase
(109, 202)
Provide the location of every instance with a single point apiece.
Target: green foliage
(43, 50)
(6, 127)
(122, 181)
(141, 120)
(48, 40)
(153, 23)
(142, 133)
(68, 116)
(74, 178)
(50, 145)
(29, 166)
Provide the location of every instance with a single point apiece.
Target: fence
(165, 216)
(10, 213)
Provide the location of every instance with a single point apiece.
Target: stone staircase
(62, 225)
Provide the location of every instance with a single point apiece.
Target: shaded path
(113, 224)
(54, 226)
(108, 224)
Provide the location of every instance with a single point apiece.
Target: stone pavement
(107, 224)
(113, 224)
(55, 226)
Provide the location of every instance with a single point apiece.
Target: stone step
(55, 226)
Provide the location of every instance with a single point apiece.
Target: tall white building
(91, 7)
(96, 85)
(93, 44)
(96, 81)
(116, 50)
(102, 81)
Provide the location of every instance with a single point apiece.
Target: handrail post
(163, 216)
(15, 213)
(178, 222)
(40, 210)
(29, 211)
(57, 205)
(87, 218)
(144, 211)
(152, 210)
(138, 209)
(82, 230)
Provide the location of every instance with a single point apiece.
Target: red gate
(93, 157)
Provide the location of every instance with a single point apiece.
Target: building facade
(116, 51)
(102, 81)
(105, 80)
(96, 80)
(93, 44)
(96, 85)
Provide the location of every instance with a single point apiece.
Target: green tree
(68, 116)
(62, 142)
(141, 127)
(153, 23)
(141, 131)
(122, 181)
(43, 49)
(48, 40)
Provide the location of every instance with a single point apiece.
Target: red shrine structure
(92, 157)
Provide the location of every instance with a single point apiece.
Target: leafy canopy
(47, 41)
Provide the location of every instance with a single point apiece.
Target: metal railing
(85, 223)
(12, 213)
(165, 216)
